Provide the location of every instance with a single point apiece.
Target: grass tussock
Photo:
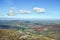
(6, 34)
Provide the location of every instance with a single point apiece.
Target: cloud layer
(38, 10)
(24, 11)
(11, 12)
(35, 9)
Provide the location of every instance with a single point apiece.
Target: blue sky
(52, 8)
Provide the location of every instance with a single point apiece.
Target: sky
(31, 9)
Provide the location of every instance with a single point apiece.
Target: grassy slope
(6, 34)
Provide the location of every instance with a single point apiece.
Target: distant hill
(42, 25)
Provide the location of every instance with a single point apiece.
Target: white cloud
(24, 11)
(39, 10)
(11, 12)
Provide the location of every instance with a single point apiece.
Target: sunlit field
(29, 30)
